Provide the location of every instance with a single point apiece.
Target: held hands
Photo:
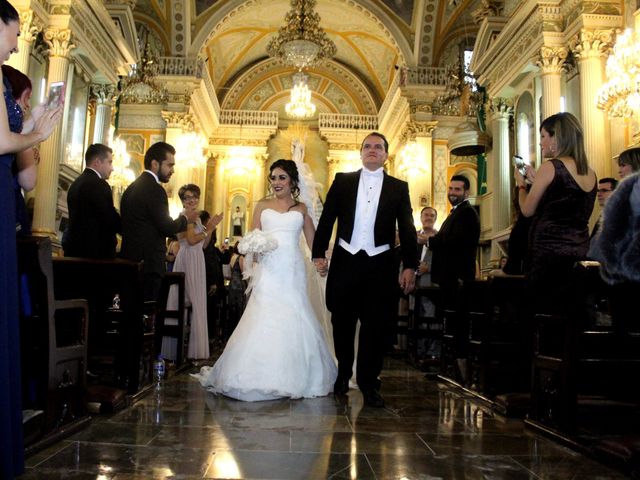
(407, 280)
(322, 266)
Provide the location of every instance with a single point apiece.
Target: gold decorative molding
(181, 120)
(103, 93)
(417, 129)
(488, 8)
(59, 42)
(592, 43)
(501, 107)
(30, 26)
(552, 59)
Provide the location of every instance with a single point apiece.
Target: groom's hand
(322, 265)
(407, 280)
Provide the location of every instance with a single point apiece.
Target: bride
(278, 348)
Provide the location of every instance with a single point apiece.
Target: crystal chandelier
(300, 105)
(301, 42)
(122, 175)
(620, 96)
(140, 86)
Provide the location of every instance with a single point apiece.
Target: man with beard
(145, 217)
(454, 259)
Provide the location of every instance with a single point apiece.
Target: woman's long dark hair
(289, 166)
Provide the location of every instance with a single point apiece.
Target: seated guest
(629, 162)
(617, 248)
(518, 241)
(606, 186)
(93, 220)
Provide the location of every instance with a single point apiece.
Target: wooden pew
(499, 338)
(54, 346)
(586, 363)
(121, 338)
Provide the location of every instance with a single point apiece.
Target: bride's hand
(322, 266)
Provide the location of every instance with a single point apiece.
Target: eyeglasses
(190, 197)
(604, 190)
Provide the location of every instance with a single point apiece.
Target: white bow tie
(377, 174)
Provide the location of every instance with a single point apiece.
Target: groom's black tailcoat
(146, 224)
(359, 286)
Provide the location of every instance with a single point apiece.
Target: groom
(363, 278)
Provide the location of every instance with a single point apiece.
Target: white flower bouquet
(254, 244)
(257, 242)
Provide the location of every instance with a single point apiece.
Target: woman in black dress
(560, 200)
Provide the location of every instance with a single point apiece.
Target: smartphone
(520, 164)
(55, 97)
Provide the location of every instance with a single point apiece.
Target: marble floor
(425, 432)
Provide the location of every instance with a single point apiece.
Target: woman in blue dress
(14, 137)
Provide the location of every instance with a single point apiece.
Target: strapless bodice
(285, 226)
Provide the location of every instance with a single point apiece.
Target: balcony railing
(253, 118)
(180, 66)
(339, 120)
(417, 76)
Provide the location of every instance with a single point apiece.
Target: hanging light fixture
(620, 96)
(300, 105)
(301, 42)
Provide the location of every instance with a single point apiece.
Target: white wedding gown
(278, 348)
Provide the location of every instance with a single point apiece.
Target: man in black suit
(145, 217)
(363, 278)
(93, 220)
(454, 257)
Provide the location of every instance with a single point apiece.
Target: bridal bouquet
(253, 244)
(257, 242)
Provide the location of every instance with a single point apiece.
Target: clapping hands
(214, 220)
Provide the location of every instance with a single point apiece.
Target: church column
(590, 47)
(551, 62)
(501, 110)
(177, 123)
(44, 216)
(105, 96)
(219, 194)
(415, 161)
(29, 29)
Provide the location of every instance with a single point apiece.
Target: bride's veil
(316, 285)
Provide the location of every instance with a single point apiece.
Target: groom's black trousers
(362, 288)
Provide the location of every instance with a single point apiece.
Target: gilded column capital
(30, 26)
(103, 93)
(552, 59)
(417, 129)
(181, 120)
(501, 107)
(59, 42)
(591, 43)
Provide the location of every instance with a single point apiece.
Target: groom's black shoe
(372, 398)
(341, 387)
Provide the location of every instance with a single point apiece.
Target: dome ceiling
(372, 38)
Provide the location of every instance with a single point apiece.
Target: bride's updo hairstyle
(289, 166)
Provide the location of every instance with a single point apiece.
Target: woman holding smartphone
(560, 200)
